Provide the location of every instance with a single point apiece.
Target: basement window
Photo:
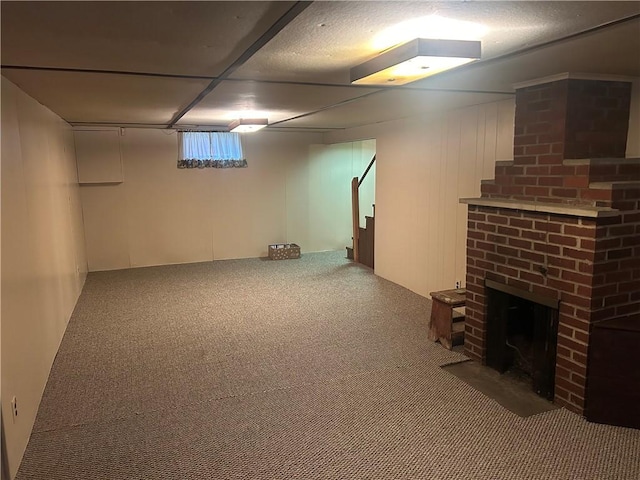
(210, 150)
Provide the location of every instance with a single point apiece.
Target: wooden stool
(444, 325)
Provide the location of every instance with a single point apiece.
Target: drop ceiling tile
(187, 38)
(391, 104)
(318, 46)
(91, 97)
(274, 101)
(612, 51)
(329, 38)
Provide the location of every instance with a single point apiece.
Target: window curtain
(210, 150)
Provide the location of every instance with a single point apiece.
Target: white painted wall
(291, 192)
(424, 165)
(319, 194)
(43, 256)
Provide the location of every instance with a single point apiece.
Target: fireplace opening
(522, 332)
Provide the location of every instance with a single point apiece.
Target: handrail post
(355, 217)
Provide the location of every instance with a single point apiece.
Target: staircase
(362, 250)
(366, 237)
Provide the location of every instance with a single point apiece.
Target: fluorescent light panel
(244, 125)
(413, 60)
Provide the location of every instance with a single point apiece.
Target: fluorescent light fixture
(431, 26)
(419, 58)
(244, 125)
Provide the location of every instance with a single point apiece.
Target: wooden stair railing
(367, 234)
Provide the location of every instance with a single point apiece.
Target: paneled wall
(43, 256)
(424, 165)
(292, 191)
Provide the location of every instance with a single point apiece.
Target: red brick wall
(616, 269)
(597, 119)
(566, 119)
(546, 254)
(592, 266)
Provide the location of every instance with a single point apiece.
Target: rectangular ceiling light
(244, 125)
(413, 60)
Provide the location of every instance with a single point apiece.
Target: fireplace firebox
(522, 331)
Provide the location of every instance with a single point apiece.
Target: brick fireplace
(561, 222)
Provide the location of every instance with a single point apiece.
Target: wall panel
(394, 168)
(249, 206)
(43, 256)
(505, 131)
(470, 170)
(164, 206)
(99, 156)
(297, 203)
(105, 226)
(432, 260)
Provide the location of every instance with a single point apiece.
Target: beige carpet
(298, 369)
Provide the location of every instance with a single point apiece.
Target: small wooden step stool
(445, 324)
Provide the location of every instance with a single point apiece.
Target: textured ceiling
(187, 38)
(329, 38)
(202, 63)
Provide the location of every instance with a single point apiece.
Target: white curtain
(210, 150)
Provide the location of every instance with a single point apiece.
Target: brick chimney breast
(558, 121)
(562, 220)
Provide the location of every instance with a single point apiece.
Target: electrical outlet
(458, 284)
(14, 408)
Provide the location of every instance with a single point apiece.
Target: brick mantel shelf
(580, 211)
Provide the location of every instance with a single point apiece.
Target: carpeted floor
(300, 369)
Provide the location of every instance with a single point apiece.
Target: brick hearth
(558, 225)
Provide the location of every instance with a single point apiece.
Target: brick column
(556, 121)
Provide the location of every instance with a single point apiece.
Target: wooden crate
(445, 324)
(284, 251)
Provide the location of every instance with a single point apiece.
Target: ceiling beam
(281, 23)
(105, 72)
(253, 80)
